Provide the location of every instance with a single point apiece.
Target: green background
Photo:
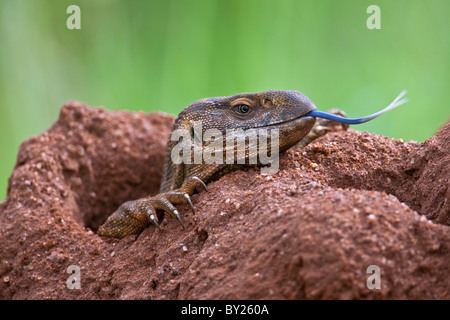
(163, 55)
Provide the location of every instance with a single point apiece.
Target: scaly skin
(275, 109)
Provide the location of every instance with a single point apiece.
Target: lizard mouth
(304, 116)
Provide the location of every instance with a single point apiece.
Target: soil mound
(348, 201)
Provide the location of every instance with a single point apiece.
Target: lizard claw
(199, 182)
(188, 199)
(154, 220)
(177, 215)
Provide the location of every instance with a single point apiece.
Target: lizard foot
(134, 216)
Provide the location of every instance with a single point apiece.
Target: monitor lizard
(291, 113)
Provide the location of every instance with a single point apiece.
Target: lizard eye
(242, 109)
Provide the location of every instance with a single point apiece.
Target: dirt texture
(347, 201)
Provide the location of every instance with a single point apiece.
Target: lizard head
(282, 110)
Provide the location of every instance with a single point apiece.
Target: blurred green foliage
(162, 55)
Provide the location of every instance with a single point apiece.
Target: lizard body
(291, 113)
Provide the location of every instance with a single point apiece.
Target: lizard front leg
(134, 216)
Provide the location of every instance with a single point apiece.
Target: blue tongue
(320, 114)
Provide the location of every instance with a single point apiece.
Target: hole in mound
(203, 235)
(100, 189)
(108, 158)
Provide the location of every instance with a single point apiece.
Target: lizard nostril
(267, 103)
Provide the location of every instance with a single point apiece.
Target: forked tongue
(320, 114)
